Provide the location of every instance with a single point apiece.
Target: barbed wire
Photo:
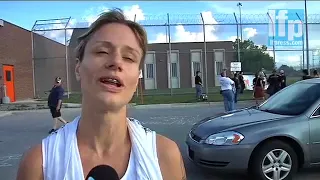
(181, 19)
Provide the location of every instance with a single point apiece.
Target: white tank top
(61, 157)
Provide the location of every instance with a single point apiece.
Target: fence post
(307, 34)
(238, 40)
(169, 57)
(302, 40)
(67, 61)
(33, 64)
(273, 36)
(205, 52)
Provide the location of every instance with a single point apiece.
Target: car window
(293, 100)
(317, 112)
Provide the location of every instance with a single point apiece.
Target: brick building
(16, 58)
(186, 59)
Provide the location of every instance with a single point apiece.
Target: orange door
(8, 80)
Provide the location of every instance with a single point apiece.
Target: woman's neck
(103, 132)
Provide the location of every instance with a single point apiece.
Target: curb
(180, 105)
(5, 113)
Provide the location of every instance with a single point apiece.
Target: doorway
(8, 80)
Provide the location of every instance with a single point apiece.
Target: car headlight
(224, 138)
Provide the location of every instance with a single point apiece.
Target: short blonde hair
(113, 16)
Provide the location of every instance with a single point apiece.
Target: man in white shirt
(227, 86)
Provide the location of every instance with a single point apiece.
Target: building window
(150, 71)
(174, 70)
(196, 67)
(8, 76)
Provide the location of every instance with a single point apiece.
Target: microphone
(102, 172)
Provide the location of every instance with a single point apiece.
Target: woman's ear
(77, 69)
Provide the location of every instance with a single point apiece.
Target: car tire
(262, 155)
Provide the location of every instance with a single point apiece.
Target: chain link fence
(198, 31)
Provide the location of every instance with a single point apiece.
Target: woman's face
(109, 70)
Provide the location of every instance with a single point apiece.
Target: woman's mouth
(111, 84)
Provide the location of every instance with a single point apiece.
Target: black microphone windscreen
(102, 172)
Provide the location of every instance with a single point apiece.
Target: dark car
(270, 141)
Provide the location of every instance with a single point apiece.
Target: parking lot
(23, 129)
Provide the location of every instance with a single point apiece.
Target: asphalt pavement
(21, 130)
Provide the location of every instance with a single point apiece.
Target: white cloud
(183, 35)
(89, 17)
(130, 12)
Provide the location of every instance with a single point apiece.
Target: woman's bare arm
(30, 167)
(170, 159)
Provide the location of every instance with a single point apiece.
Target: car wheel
(275, 160)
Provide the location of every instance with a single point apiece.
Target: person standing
(305, 74)
(274, 83)
(315, 74)
(283, 79)
(241, 82)
(258, 88)
(198, 83)
(236, 86)
(226, 90)
(55, 103)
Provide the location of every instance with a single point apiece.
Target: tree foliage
(253, 57)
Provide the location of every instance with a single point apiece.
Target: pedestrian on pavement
(274, 83)
(55, 103)
(241, 82)
(305, 74)
(227, 92)
(258, 88)
(236, 86)
(198, 83)
(283, 79)
(110, 56)
(315, 74)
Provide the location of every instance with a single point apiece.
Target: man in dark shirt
(198, 83)
(55, 102)
(306, 75)
(242, 85)
(274, 83)
(283, 79)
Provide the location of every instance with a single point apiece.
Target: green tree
(253, 57)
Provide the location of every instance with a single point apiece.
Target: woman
(258, 88)
(110, 57)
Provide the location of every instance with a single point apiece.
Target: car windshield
(293, 100)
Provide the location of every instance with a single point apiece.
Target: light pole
(301, 22)
(240, 5)
(307, 34)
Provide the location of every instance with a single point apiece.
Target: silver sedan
(271, 141)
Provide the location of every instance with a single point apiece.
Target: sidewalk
(37, 105)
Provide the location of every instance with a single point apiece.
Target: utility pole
(240, 5)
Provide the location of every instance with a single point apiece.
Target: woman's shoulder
(170, 159)
(30, 167)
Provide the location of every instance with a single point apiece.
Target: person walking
(305, 74)
(55, 103)
(227, 92)
(198, 83)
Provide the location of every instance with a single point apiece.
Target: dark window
(8, 75)
(317, 112)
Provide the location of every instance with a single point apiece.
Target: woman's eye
(102, 52)
(128, 58)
